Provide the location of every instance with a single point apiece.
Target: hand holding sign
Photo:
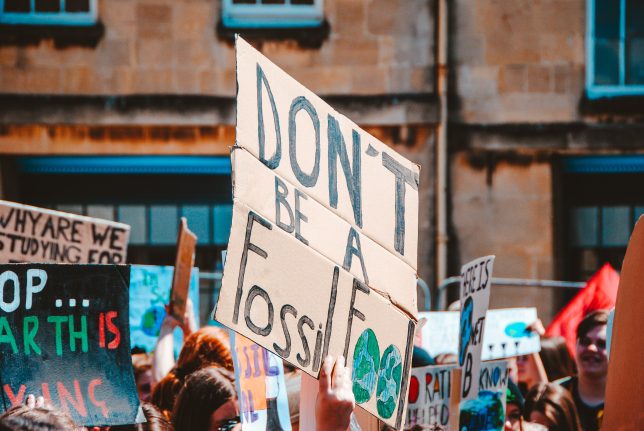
(335, 401)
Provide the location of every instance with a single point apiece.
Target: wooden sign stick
(186, 244)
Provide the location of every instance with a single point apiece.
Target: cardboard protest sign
(287, 205)
(336, 220)
(624, 401)
(486, 411)
(429, 397)
(185, 260)
(149, 293)
(31, 234)
(329, 158)
(475, 297)
(505, 333)
(259, 376)
(64, 335)
(286, 298)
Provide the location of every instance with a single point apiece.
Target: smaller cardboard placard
(185, 260)
(505, 333)
(428, 404)
(486, 411)
(624, 402)
(259, 377)
(476, 283)
(295, 302)
(65, 335)
(32, 234)
(149, 293)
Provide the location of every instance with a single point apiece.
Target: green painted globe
(389, 378)
(366, 358)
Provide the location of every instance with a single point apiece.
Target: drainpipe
(441, 143)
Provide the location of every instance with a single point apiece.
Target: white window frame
(50, 18)
(260, 15)
(594, 91)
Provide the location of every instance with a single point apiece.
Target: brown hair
(39, 418)
(204, 392)
(156, 421)
(555, 403)
(590, 321)
(206, 347)
(556, 358)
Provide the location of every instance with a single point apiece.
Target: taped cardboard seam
(246, 207)
(339, 215)
(386, 295)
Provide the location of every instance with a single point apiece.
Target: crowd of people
(550, 390)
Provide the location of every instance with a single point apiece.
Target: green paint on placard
(389, 378)
(29, 331)
(366, 360)
(81, 335)
(6, 336)
(58, 321)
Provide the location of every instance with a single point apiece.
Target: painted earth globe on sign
(366, 358)
(389, 379)
(152, 320)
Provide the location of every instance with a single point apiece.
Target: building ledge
(305, 37)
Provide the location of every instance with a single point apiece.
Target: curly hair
(209, 346)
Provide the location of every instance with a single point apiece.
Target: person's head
(513, 407)
(142, 365)
(209, 346)
(207, 402)
(23, 418)
(590, 350)
(556, 358)
(551, 405)
(155, 421)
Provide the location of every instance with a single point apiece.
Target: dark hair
(156, 421)
(590, 321)
(209, 346)
(36, 419)
(555, 403)
(204, 392)
(556, 358)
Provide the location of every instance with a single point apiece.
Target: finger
(338, 371)
(31, 401)
(40, 402)
(325, 374)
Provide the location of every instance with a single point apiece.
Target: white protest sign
(299, 136)
(429, 395)
(486, 411)
(259, 377)
(32, 234)
(289, 299)
(505, 333)
(322, 252)
(440, 333)
(476, 284)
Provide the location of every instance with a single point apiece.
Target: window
(48, 12)
(601, 204)
(272, 13)
(615, 48)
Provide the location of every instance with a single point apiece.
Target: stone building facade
(151, 86)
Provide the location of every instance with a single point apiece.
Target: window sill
(616, 105)
(62, 35)
(306, 37)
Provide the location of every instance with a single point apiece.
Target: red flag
(599, 293)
